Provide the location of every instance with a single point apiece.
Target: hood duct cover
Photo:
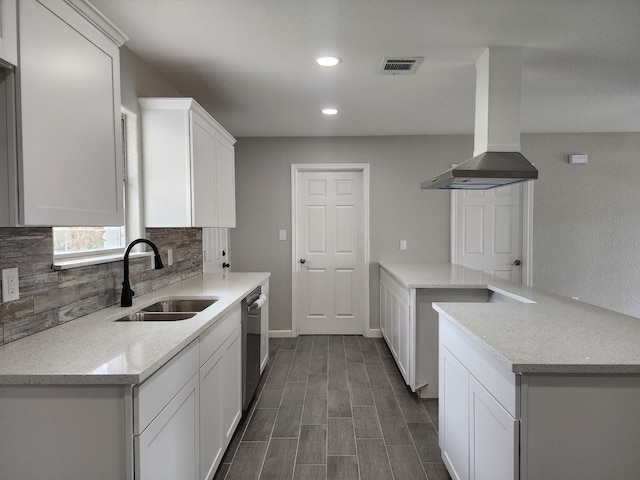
(496, 160)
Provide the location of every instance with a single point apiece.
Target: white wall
(586, 218)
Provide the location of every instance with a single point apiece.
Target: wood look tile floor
(333, 407)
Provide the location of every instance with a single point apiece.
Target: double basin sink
(169, 310)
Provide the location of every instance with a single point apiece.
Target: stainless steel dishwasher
(251, 306)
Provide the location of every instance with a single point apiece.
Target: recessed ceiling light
(328, 61)
(329, 111)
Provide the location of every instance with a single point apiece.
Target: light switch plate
(10, 285)
(283, 234)
(403, 244)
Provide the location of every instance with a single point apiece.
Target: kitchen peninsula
(531, 385)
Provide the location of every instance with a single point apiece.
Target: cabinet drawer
(215, 336)
(151, 396)
(494, 376)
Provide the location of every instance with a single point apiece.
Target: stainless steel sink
(181, 305)
(143, 316)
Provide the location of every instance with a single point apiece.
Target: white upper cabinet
(9, 31)
(188, 166)
(70, 166)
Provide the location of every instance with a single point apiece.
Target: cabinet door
(70, 136)
(454, 415)
(9, 31)
(212, 434)
(402, 334)
(232, 384)
(493, 437)
(168, 447)
(203, 173)
(225, 182)
(385, 311)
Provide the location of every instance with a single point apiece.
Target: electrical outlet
(403, 244)
(170, 256)
(10, 285)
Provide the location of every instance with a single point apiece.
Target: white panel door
(488, 230)
(454, 415)
(329, 252)
(493, 437)
(168, 448)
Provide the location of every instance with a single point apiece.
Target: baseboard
(280, 333)
(373, 332)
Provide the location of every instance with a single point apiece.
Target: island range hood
(497, 160)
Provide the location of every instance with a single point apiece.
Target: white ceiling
(250, 63)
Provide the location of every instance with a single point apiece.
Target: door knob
(303, 261)
(517, 263)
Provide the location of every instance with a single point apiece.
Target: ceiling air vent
(399, 65)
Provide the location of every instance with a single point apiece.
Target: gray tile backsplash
(49, 298)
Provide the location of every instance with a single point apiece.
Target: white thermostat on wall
(578, 158)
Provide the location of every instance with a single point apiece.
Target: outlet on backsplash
(10, 285)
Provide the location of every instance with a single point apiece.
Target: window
(86, 243)
(72, 241)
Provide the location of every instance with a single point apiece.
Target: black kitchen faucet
(126, 299)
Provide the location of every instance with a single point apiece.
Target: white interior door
(329, 252)
(487, 230)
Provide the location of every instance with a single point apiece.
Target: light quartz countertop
(550, 334)
(95, 349)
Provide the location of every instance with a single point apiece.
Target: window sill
(68, 263)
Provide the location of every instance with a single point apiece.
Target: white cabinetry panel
(168, 448)
(70, 145)
(220, 390)
(454, 415)
(225, 182)
(188, 165)
(9, 31)
(211, 429)
(494, 441)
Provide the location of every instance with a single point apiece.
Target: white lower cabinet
(176, 424)
(185, 434)
(211, 437)
(454, 415)
(479, 437)
(231, 387)
(220, 390)
(493, 437)
(395, 314)
(168, 448)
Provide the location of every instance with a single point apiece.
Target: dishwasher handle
(258, 303)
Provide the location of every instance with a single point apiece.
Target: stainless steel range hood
(497, 159)
(487, 170)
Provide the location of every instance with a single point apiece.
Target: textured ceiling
(251, 62)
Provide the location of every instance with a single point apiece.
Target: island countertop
(95, 349)
(541, 333)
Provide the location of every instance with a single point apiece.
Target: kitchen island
(100, 398)
(533, 386)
